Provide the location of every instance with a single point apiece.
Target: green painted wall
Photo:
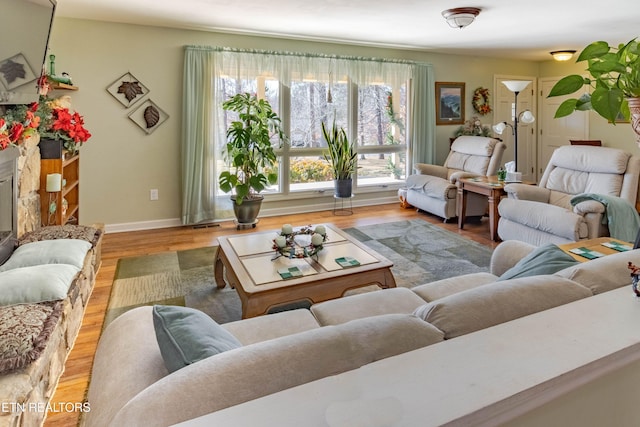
(121, 163)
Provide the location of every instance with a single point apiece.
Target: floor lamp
(515, 86)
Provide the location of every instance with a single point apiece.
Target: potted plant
(342, 157)
(250, 154)
(615, 79)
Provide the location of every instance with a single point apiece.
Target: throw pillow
(186, 335)
(36, 283)
(60, 251)
(546, 259)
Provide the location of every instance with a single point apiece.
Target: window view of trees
(378, 126)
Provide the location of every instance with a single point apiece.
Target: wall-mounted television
(25, 26)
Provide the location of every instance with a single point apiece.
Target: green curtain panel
(198, 201)
(423, 117)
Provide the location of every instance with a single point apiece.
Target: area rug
(421, 253)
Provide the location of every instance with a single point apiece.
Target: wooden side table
(593, 245)
(488, 186)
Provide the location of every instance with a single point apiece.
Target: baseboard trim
(142, 225)
(264, 212)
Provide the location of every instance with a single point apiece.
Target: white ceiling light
(562, 55)
(460, 17)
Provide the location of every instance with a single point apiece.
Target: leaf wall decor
(151, 116)
(128, 90)
(15, 72)
(148, 116)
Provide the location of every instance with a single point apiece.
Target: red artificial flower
(2, 123)
(17, 129)
(33, 107)
(4, 141)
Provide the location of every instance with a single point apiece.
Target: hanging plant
(480, 101)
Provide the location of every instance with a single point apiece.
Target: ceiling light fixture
(460, 17)
(562, 55)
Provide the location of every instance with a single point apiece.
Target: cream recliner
(544, 213)
(433, 188)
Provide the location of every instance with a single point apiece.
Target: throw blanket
(623, 219)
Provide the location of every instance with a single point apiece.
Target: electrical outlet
(153, 194)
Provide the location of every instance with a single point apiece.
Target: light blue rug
(421, 253)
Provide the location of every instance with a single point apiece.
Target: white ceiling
(505, 28)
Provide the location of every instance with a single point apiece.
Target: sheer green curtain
(198, 125)
(423, 117)
(203, 133)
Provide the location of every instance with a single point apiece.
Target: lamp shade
(499, 127)
(54, 183)
(516, 85)
(527, 117)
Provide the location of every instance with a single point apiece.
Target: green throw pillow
(186, 335)
(546, 259)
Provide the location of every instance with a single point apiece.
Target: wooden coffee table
(247, 261)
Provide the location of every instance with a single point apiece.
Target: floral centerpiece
(66, 126)
(50, 118)
(285, 243)
(18, 123)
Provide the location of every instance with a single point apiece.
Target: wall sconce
(460, 17)
(562, 55)
(515, 86)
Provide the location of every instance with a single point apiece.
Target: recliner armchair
(433, 188)
(544, 213)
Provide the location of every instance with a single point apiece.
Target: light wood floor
(74, 382)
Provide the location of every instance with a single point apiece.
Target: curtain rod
(304, 55)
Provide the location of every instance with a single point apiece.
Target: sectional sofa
(131, 384)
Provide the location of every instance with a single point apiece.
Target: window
(380, 129)
(366, 103)
(296, 85)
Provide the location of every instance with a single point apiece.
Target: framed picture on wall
(449, 103)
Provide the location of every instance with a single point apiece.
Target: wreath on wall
(480, 101)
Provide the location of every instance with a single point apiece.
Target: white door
(504, 112)
(557, 132)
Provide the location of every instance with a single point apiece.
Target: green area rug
(421, 253)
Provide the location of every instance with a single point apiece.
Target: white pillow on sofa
(58, 251)
(36, 283)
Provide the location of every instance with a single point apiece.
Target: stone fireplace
(28, 185)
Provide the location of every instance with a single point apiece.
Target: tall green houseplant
(342, 157)
(250, 151)
(614, 76)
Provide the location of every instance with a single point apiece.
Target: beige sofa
(130, 384)
(36, 337)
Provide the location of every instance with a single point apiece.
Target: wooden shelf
(69, 168)
(54, 85)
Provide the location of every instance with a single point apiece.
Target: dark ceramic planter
(248, 211)
(343, 187)
(50, 148)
